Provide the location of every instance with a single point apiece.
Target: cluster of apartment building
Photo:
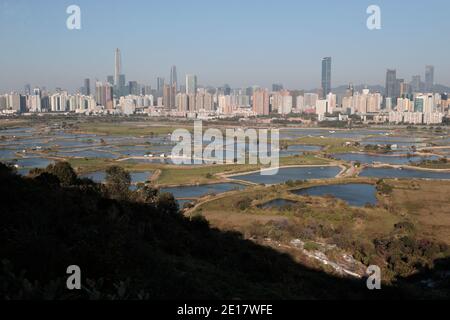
(417, 108)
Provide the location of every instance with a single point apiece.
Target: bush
(64, 172)
(244, 204)
(167, 203)
(384, 188)
(118, 182)
(311, 246)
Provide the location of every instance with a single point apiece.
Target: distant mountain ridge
(438, 88)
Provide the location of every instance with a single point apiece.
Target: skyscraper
(261, 102)
(173, 77)
(416, 84)
(133, 88)
(191, 84)
(429, 79)
(27, 90)
(277, 87)
(160, 86)
(122, 81)
(169, 96)
(104, 95)
(326, 76)
(110, 80)
(391, 83)
(117, 67)
(87, 87)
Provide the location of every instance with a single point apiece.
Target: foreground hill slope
(135, 245)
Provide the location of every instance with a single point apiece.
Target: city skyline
(225, 46)
(120, 82)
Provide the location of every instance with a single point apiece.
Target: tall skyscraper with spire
(117, 67)
(174, 77)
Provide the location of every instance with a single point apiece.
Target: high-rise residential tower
(326, 76)
(169, 96)
(104, 95)
(429, 79)
(261, 102)
(191, 84)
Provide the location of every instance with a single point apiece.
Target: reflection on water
(354, 194)
(192, 192)
(286, 174)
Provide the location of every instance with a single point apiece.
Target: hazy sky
(240, 42)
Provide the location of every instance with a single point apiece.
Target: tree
(148, 194)
(166, 203)
(118, 182)
(64, 172)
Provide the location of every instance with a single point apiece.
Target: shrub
(244, 204)
(64, 172)
(118, 182)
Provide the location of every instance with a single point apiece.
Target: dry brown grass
(427, 203)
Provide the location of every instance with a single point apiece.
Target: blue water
(286, 174)
(18, 132)
(394, 139)
(98, 177)
(140, 177)
(369, 159)
(192, 192)
(443, 142)
(34, 162)
(7, 154)
(354, 194)
(405, 173)
(82, 143)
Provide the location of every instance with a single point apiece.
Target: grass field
(128, 129)
(330, 145)
(427, 203)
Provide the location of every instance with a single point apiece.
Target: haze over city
(239, 43)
